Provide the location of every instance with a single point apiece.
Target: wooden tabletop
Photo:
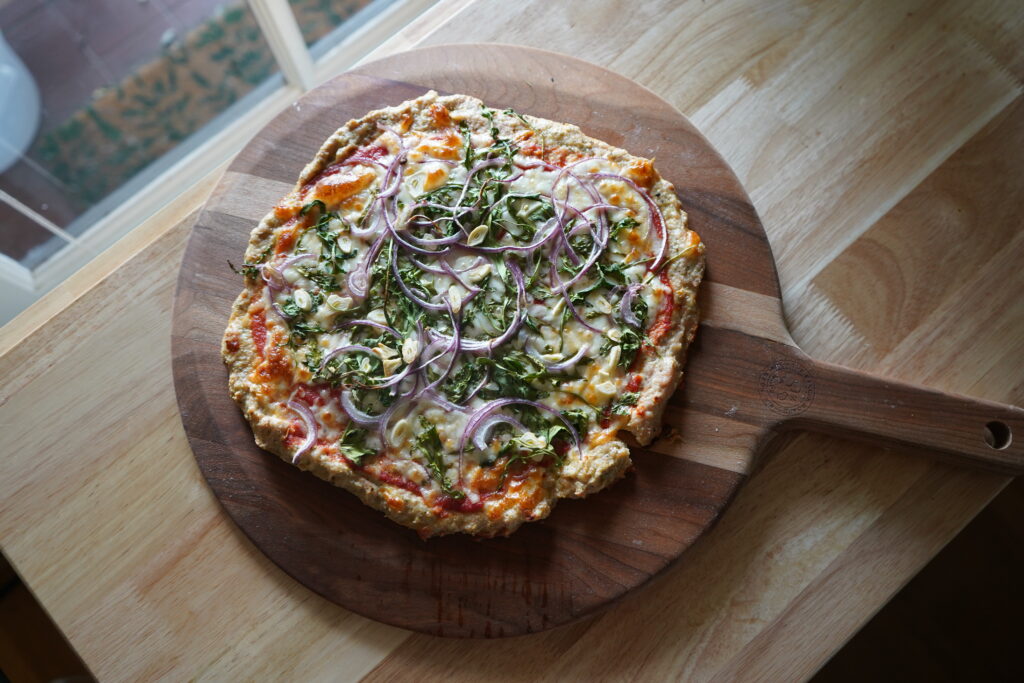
(881, 143)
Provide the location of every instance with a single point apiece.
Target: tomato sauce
(306, 394)
(258, 326)
(664, 320)
(364, 155)
(393, 478)
(278, 364)
(558, 157)
(286, 237)
(296, 434)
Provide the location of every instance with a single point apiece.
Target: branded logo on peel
(787, 387)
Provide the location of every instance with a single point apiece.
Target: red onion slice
(481, 385)
(407, 290)
(346, 349)
(438, 398)
(478, 417)
(568, 363)
(363, 419)
(311, 429)
(453, 349)
(374, 225)
(450, 272)
(293, 260)
(359, 278)
(487, 163)
(568, 300)
(273, 277)
(489, 423)
(626, 305)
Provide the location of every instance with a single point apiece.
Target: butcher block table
(882, 144)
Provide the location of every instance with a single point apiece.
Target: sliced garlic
(364, 364)
(339, 303)
(302, 299)
(479, 273)
(455, 298)
(377, 316)
(614, 355)
(336, 224)
(615, 334)
(400, 431)
(390, 365)
(531, 440)
(608, 388)
(601, 305)
(476, 235)
(385, 351)
(556, 310)
(344, 243)
(410, 349)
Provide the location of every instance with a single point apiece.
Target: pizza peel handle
(837, 400)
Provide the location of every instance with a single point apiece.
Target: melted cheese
(466, 284)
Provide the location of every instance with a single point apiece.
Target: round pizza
(457, 312)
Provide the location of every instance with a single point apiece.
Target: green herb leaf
(621, 405)
(315, 204)
(352, 445)
(252, 268)
(428, 442)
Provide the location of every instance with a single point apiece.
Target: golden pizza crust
(582, 473)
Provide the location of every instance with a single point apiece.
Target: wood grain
(746, 379)
(106, 517)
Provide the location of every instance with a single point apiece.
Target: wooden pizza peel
(746, 381)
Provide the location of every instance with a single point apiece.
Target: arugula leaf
(334, 257)
(314, 356)
(252, 268)
(428, 442)
(630, 342)
(290, 308)
(516, 373)
(302, 330)
(460, 382)
(352, 445)
(468, 161)
(580, 419)
(325, 281)
(513, 112)
(315, 204)
(625, 224)
(621, 405)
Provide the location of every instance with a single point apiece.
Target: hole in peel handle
(837, 400)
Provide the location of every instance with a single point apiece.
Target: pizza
(458, 311)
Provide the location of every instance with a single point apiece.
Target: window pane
(100, 94)
(319, 20)
(24, 240)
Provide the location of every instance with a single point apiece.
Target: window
(108, 107)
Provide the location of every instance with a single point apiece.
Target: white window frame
(158, 185)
